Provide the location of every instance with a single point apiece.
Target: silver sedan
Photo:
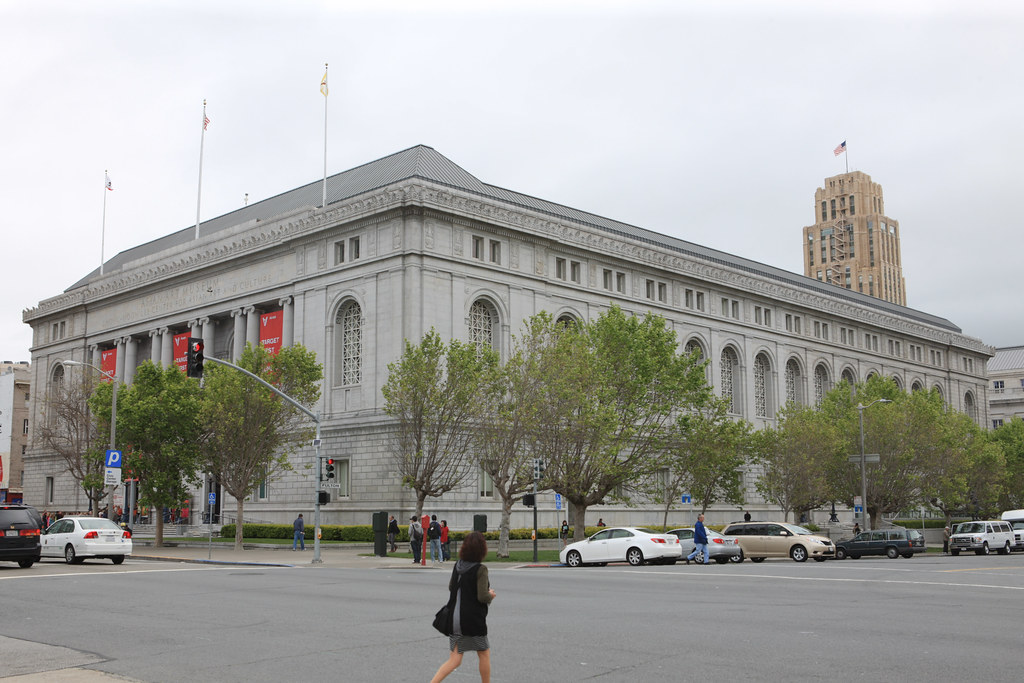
(721, 548)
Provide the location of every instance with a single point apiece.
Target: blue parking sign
(213, 498)
(113, 458)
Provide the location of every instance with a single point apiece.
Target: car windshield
(798, 530)
(98, 524)
(971, 528)
(1018, 525)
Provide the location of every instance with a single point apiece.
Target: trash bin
(480, 523)
(380, 534)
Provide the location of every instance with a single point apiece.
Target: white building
(413, 241)
(1006, 390)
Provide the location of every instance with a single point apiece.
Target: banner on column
(271, 327)
(181, 350)
(108, 363)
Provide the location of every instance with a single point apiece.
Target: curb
(190, 560)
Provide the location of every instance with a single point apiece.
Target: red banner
(271, 326)
(108, 363)
(181, 350)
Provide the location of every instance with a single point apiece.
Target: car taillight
(717, 540)
(29, 532)
(658, 540)
(126, 534)
(91, 534)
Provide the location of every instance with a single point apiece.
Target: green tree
(434, 394)
(251, 431)
(1010, 438)
(795, 458)
(611, 389)
(158, 420)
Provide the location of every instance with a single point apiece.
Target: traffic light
(529, 500)
(195, 357)
(329, 469)
(538, 468)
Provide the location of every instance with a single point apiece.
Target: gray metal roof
(1007, 358)
(426, 163)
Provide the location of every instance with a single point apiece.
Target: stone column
(287, 322)
(131, 350)
(154, 346)
(238, 343)
(96, 354)
(252, 325)
(119, 366)
(206, 334)
(166, 347)
(194, 329)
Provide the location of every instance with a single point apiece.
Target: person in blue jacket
(700, 541)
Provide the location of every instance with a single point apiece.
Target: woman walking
(470, 594)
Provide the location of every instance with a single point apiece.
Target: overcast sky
(709, 121)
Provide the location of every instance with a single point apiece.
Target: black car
(20, 526)
(892, 543)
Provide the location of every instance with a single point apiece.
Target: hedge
(364, 532)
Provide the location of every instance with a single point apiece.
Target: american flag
(107, 183)
(840, 148)
(206, 122)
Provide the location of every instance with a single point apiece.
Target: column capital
(248, 310)
(203, 321)
(163, 330)
(286, 301)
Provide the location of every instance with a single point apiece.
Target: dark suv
(20, 526)
(892, 543)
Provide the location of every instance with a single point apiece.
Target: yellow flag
(323, 84)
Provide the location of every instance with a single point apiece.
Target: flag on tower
(107, 184)
(840, 148)
(323, 84)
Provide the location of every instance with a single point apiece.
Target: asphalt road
(929, 618)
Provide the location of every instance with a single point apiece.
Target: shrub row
(364, 532)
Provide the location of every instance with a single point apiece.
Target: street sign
(686, 498)
(331, 484)
(868, 457)
(213, 498)
(558, 501)
(857, 501)
(858, 509)
(112, 476)
(113, 458)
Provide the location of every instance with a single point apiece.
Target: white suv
(982, 537)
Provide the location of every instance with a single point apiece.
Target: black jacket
(469, 595)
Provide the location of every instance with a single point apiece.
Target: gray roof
(1007, 358)
(426, 163)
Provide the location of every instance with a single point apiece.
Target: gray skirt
(468, 643)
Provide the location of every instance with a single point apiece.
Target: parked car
(982, 537)
(760, 540)
(892, 543)
(623, 544)
(77, 538)
(721, 548)
(19, 534)
(1015, 518)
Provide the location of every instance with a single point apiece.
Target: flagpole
(199, 193)
(847, 155)
(324, 89)
(103, 230)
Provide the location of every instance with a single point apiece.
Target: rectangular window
(725, 306)
(789, 323)
(996, 424)
(353, 248)
(938, 354)
(486, 485)
(688, 298)
(767, 317)
(824, 212)
(650, 289)
(874, 342)
(575, 272)
(796, 324)
(824, 331)
(998, 386)
(608, 279)
(736, 310)
(662, 292)
(560, 268)
(62, 328)
(700, 301)
(339, 252)
(343, 468)
(899, 350)
(852, 206)
(890, 347)
(817, 329)
(495, 251)
(24, 426)
(931, 353)
(757, 315)
(842, 335)
(478, 247)
(48, 491)
(620, 282)
(261, 492)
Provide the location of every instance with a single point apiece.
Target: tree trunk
(875, 515)
(158, 540)
(664, 519)
(579, 515)
(239, 504)
(506, 517)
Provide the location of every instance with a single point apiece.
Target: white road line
(836, 580)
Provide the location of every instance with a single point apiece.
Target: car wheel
(721, 560)
(798, 553)
(574, 559)
(25, 564)
(892, 553)
(1005, 549)
(985, 550)
(69, 554)
(634, 557)
(820, 559)
(840, 553)
(907, 556)
(757, 559)
(737, 558)
(117, 559)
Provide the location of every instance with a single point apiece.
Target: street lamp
(863, 470)
(113, 406)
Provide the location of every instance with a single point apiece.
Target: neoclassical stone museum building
(413, 241)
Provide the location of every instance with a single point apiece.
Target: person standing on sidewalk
(415, 538)
(700, 541)
(299, 535)
(446, 549)
(470, 594)
(434, 534)
(392, 533)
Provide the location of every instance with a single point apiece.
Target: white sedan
(623, 544)
(76, 538)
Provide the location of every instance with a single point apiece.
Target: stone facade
(15, 396)
(852, 243)
(413, 241)
(1006, 388)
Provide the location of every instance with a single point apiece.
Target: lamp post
(863, 469)
(113, 407)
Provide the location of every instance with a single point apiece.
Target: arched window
(729, 366)
(482, 321)
(938, 388)
(899, 381)
(820, 385)
(694, 345)
(848, 376)
(916, 386)
(969, 406)
(762, 384)
(794, 387)
(348, 327)
(57, 378)
(566, 320)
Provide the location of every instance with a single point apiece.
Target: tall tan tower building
(854, 244)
